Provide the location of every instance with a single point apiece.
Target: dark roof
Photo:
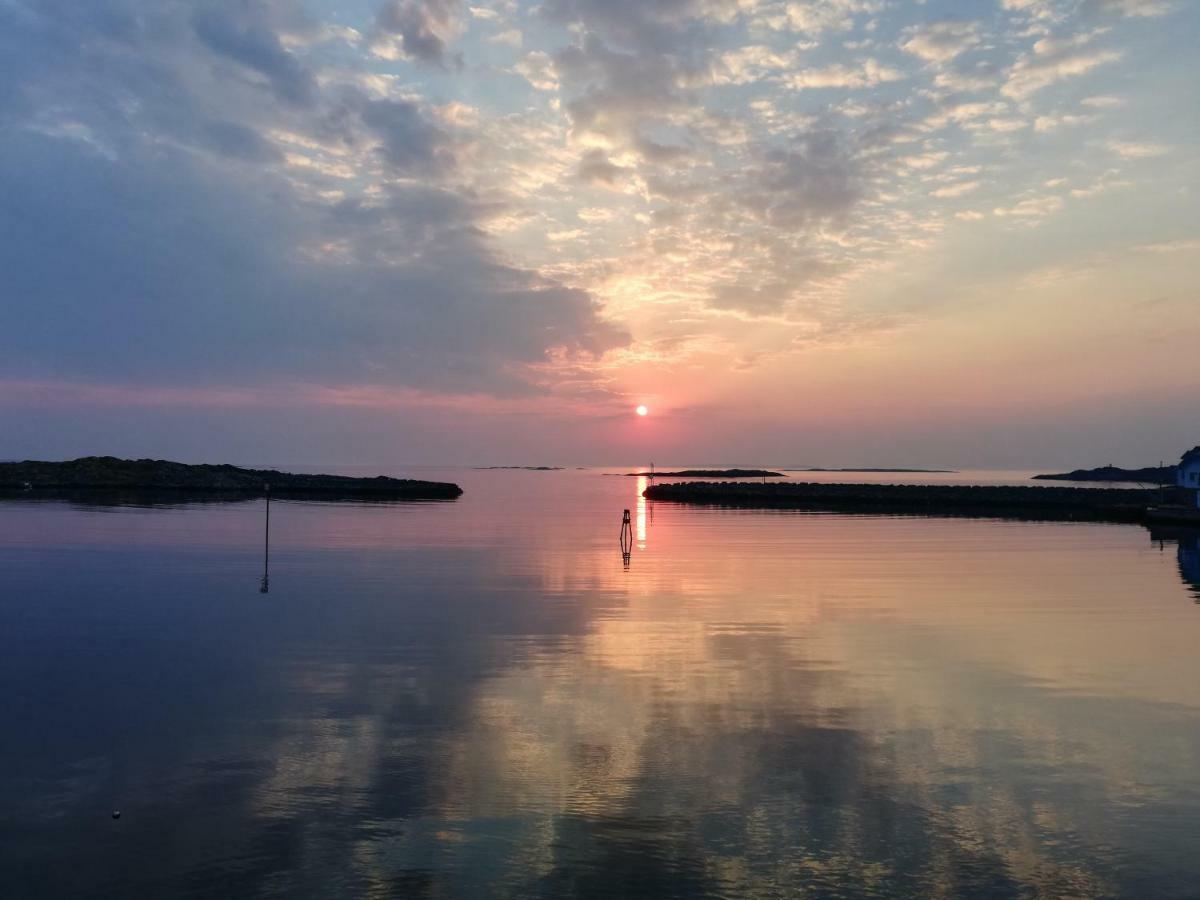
(1191, 455)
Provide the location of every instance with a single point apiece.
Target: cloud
(1102, 102)
(512, 37)
(956, 190)
(867, 73)
(409, 141)
(812, 17)
(818, 178)
(1136, 149)
(243, 33)
(311, 234)
(596, 168)
(1052, 123)
(1105, 182)
(1052, 60)
(940, 42)
(1130, 9)
(1032, 207)
(418, 29)
(538, 69)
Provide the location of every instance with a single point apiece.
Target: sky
(849, 232)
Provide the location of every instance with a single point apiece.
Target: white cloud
(956, 190)
(1135, 150)
(1032, 207)
(1053, 59)
(868, 73)
(1106, 182)
(1133, 9)
(1102, 102)
(1030, 73)
(816, 16)
(1005, 125)
(1183, 245)
(538, 69)
(940, 42)
(512, 37)
(750, 63)
(1050, 123)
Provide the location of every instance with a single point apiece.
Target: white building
(1187, 474)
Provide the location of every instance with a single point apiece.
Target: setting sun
(642, 410)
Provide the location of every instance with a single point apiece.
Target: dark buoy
(116, 814)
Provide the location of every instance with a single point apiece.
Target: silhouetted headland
(1069, 503)
(1147, 475)
(146, 477)
(712, 473)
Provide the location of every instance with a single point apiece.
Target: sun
(642, 410)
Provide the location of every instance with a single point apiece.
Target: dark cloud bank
(150, 230)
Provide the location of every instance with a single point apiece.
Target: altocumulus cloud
(187, 200)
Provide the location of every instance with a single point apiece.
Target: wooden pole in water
(265, 586)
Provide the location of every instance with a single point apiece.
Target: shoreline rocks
(1070, 503)
(157, 476)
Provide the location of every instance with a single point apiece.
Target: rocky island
(1147, 475)
(153, 477)
(710, 473)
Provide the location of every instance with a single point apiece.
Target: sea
(488, 697)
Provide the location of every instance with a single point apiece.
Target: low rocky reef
(710, 473)
(1147, 475)
(1069, 503)
(146, 477)
(885, 471)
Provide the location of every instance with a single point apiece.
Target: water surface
(480, 698)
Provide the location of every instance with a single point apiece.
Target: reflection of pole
(265, 586)
(626, 538)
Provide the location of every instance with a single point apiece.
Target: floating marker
(626, 538)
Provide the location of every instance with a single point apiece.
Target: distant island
(711, 473)
(522, 468)
(1147, 475)
(918, 471)
(159, 476)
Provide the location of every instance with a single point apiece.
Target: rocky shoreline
(1148, 475)
(150, 477)
(1061, 503)
(710, 473)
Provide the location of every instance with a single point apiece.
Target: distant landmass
(926, 471)
(712, 473)
(159, 476)
(1148, 475)
(522, 468)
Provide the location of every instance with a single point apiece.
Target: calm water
(478, 698)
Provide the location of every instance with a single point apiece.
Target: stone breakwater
(1085, 504)
(158, 476)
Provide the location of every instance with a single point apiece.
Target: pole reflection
(265, 585)
(642, 482)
